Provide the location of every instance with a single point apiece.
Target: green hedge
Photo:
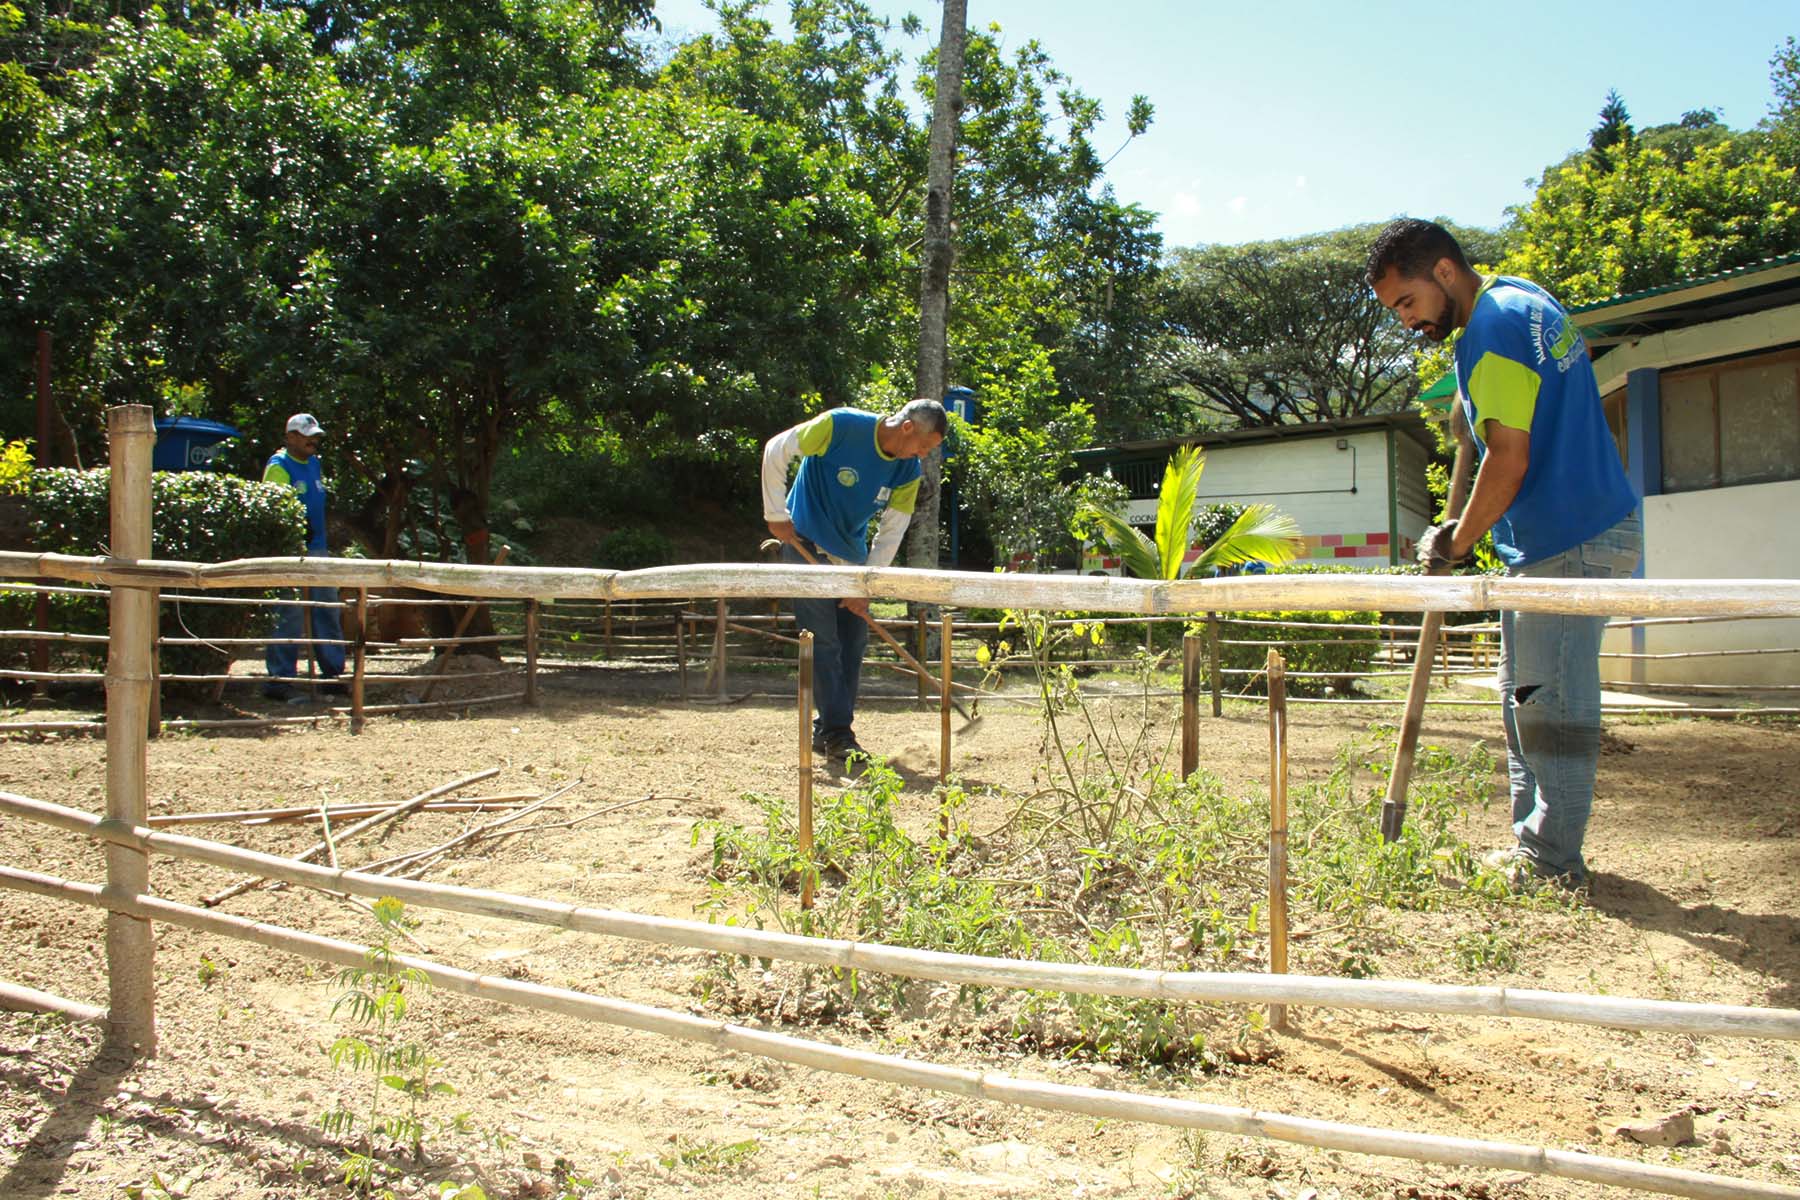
(197, 516)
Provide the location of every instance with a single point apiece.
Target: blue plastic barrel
(188, 443)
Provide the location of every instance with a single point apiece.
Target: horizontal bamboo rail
(1090, 1102)
(967, 589)
(1185, 986)
(16, 997)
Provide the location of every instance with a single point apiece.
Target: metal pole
(130, 946)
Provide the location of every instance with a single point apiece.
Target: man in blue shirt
(1554, 493)
(854, 467)
(296, 465)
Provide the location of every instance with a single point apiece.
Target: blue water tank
(188, 443)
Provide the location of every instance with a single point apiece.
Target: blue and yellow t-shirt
(309, 484)
(1521, 362)
(845, 482)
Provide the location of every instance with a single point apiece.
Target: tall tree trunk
(934, 289)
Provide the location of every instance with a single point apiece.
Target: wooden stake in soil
(945, 636)
(130, 947)
(807, 874)
(681, 625)
(1212, 658)
(356, 670)
(531, 652)
(1190, 704)
(921, 640)
(719, 654)
(1278, 775)
(1393, 807)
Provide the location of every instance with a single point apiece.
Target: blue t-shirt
(309, 484)
(1521, 361)
(845, 481)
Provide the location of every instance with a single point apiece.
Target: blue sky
(1286, 117)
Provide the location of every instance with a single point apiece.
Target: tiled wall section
(1346, 545)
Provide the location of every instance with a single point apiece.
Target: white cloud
(1237, 205)
(1300, 183)
(1186, 204)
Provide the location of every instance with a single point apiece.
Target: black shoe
(845, 748)
(277, 691)
(335, 689)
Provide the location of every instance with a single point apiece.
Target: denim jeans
(1550, 703)
(283, 658)
(839, 639)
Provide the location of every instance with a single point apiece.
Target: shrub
(633, 547)
(198, 516)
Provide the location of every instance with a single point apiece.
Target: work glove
(1434, 547)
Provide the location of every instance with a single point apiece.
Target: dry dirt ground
(1696, 842)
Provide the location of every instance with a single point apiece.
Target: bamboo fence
(1098, 1103)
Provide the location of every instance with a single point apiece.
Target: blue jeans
(1550, 702)
(839, 639)
(282, 658)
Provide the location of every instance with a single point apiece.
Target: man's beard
(1439, 329)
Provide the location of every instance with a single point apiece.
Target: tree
(1272, 333)
(1783, 122)
(1260, 532)
(1614, 128)
(1645, 220)
(922, 547)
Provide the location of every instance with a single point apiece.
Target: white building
(1356, 487)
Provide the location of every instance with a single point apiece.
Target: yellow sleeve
(276, 473)
(815, 435)
(1503, 390)
(905, 497)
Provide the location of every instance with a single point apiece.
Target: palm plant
(1261, 532)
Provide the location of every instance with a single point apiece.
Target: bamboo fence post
(681, 625)
(306, 633)
(606, 645)
(922, 641)
(808, 876)
(1278, 780)
(130, 946)
(1190, 704)
(359, 664)
(531, 652)
(1212, 658)
(946, 636)
(719, 689)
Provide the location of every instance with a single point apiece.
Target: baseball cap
(304, 424)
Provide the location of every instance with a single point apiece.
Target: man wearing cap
(296, 465)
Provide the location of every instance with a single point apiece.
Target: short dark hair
(1412, 247)
(928, 415)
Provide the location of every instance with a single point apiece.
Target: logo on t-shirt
(1554, 337)
(847, 476)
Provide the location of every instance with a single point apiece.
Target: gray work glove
(1434, 547)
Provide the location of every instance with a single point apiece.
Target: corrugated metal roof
(1767, 264)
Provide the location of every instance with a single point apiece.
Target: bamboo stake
(16, 997)
(1238, 987)
(417, 862)
(719, 690)
(1088, 1101)
(1212, 658)
(154, 723)
(357, 675)
(606, 644)
(945, 700)
(363, 826)
(298, 812)
(921, 640)
(681, 656)
(531, 652)
(1278, 780)
(130, 946)
(1393, 806)
(1190, 704)
(808, 876)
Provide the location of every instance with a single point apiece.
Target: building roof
(1408, 422)
(1752, 288)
